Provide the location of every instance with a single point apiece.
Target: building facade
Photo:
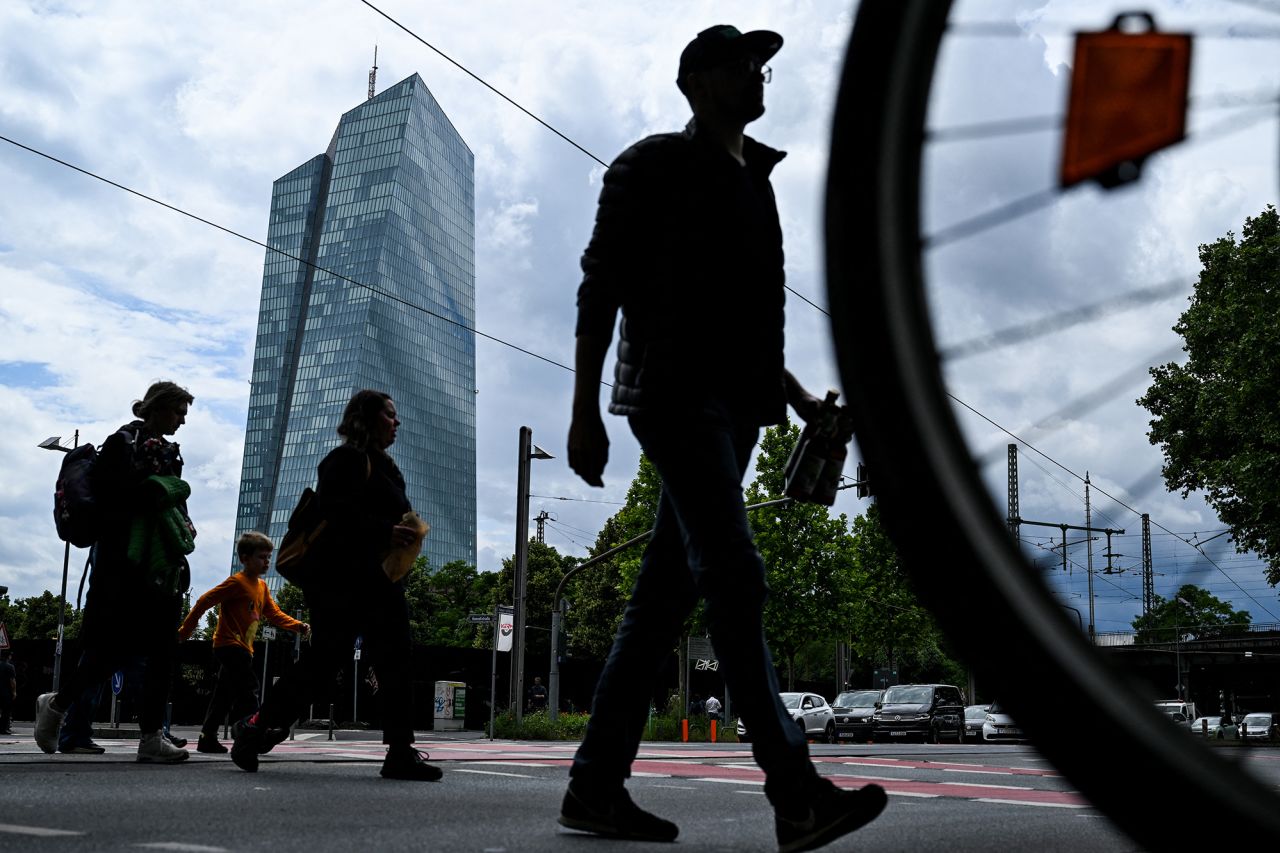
(370, 283)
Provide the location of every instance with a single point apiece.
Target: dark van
(924, 712)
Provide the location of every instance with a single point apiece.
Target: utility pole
(1088, 522)
(1148, 580)
(1013, 511)
(541, 519)
(527, 451)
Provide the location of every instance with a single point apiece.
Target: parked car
(1181, 713)
(1212, 727)
(999, 726)
(974, 717)
(1261, 726)
(927, 712)
(810, 711)
(853, 711)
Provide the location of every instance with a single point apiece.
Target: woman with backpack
(351, 593)
(139, 570)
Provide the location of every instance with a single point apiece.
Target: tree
(37, 617)
(889, 624)
(1191, 614)
(808, 562)
(544, 570)
(598, 594)
(441, 599)
(1216, 418)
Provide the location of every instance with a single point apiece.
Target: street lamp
(528, 451)
(54, 442)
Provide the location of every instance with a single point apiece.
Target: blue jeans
(701, 547)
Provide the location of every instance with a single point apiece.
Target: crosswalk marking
(43, 831)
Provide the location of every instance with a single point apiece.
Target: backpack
(306, 525)
(75, 511)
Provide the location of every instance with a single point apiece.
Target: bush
(538, 726)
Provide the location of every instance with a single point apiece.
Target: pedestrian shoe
(833, 812)
(179, 742)
(211, 746)
(614, 817)
(87, 747)
(154, 749)
(248, 743)
(48, 721)
(407, 763)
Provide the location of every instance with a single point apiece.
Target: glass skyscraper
(383, 223)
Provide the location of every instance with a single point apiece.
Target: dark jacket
(688, 245)
(362, 494)
(128, 458)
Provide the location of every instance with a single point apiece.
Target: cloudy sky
(203, 105)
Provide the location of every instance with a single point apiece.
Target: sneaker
(154, 749)
(833, 812)
(48, 722)
(211, 746)
(614, 817)
(179, 742)
(87, 747)
(248, 743)
(267, 740)
(409, 764)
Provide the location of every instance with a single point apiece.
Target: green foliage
(889, 623)
(1199, 616)
(441, 599)
(545, 569)
(538, 726)
(1215, 417)
(292, 601)
(598, 594)
(808, 559)
(36, 618)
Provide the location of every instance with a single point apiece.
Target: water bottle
(811, 455)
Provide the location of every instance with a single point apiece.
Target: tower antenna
(373, 72)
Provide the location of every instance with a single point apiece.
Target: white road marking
(44, 831)
(677, 787)
(643, 774)
(1001, 787)
(730, 781)
(983, 772)
(913, 794)
(865, 776)
(1029, 803)
(490, 773)
(514, 764)
(178, 845)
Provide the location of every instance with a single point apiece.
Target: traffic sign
(268, 632)
(480, 618)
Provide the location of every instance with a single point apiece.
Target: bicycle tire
(921, 467)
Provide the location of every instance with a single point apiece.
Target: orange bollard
(713, 731)
(684, 730)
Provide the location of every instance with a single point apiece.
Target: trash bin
(450, 706)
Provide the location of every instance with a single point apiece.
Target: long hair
(161, 396)
(362, 408)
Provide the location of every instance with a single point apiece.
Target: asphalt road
(319, 795)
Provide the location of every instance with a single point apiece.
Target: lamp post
(528, 451)
(55, 443)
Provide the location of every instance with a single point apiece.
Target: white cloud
(204, 105)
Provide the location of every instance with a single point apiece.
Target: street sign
(268, 632)
(117, 683)
(708, 665)
(480, 618)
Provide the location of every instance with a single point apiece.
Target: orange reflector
(1128, 100)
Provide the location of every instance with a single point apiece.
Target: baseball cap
(723, 43)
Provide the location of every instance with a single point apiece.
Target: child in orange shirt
(244, 600)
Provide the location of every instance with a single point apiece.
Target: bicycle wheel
(924, 471)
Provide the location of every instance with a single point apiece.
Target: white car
(1261, 727)
(810, 711)
(999, 726)
(1212, 727)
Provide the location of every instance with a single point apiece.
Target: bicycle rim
(923, 471)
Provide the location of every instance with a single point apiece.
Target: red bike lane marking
(908, 764)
